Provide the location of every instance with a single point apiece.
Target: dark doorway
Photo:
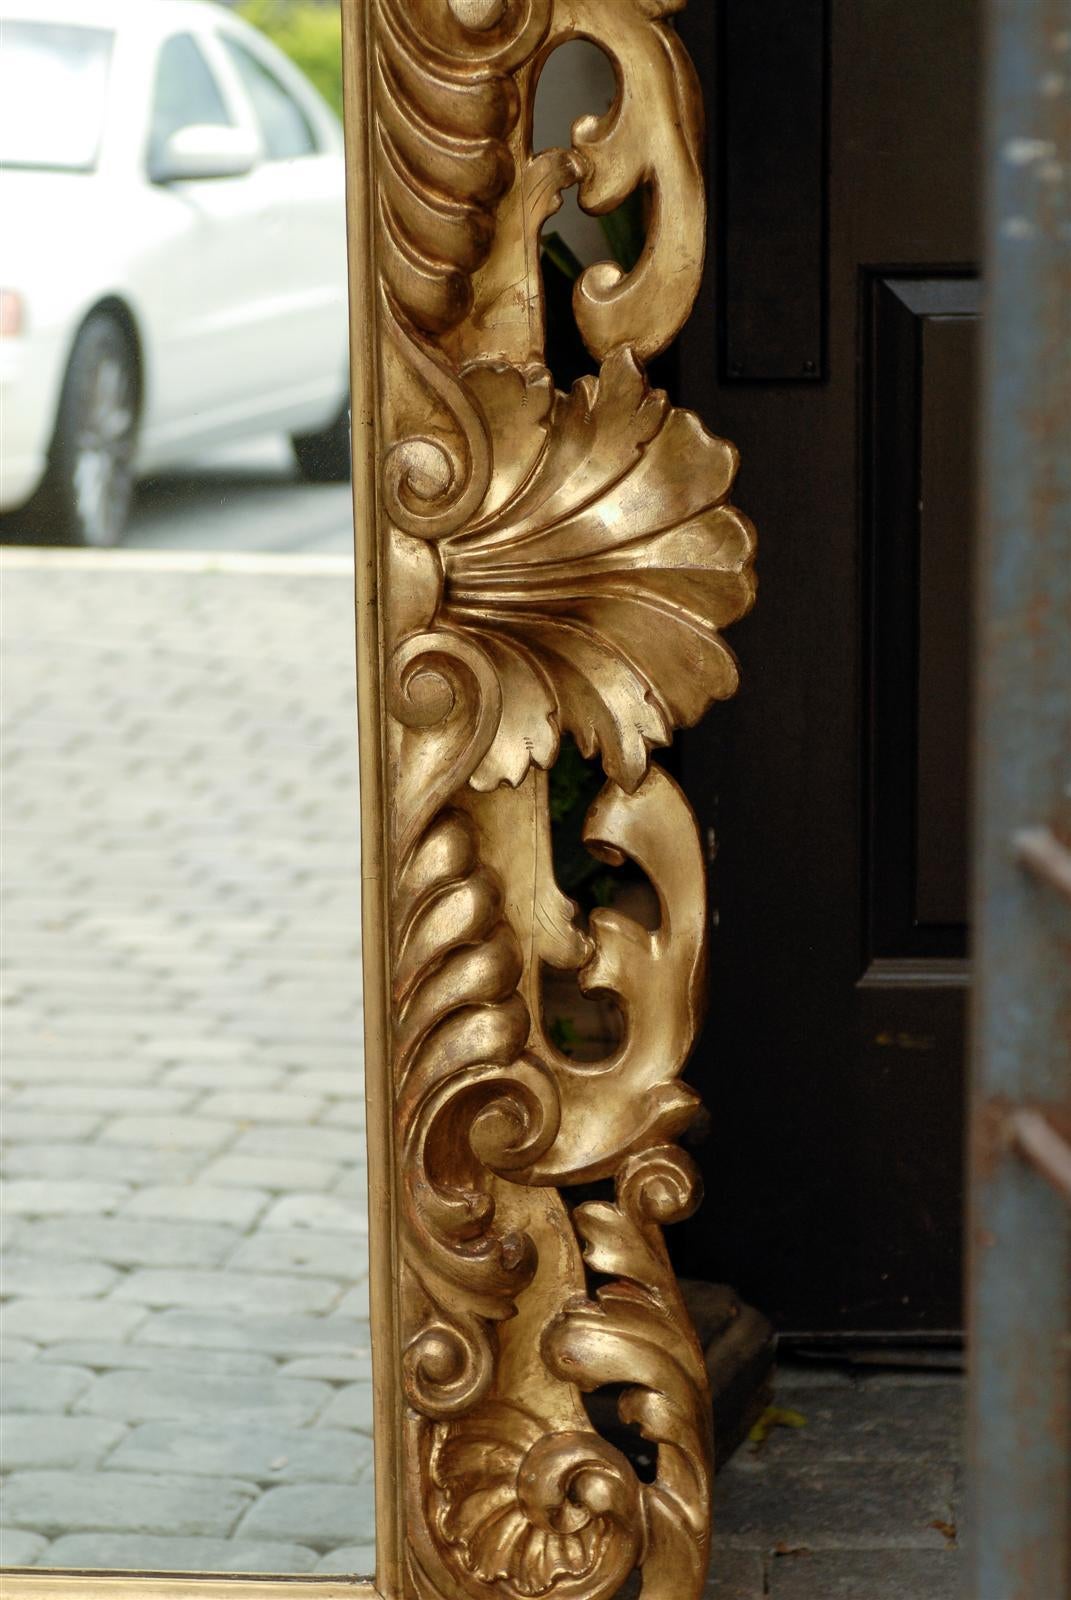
(835, 343)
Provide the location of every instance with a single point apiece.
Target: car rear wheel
(86, 495)
(325, 457)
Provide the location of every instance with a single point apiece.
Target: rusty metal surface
(1038, 1141)
(1041, 851)
(1020, 1293)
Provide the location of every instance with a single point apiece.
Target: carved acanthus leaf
(600, 568)
(636, 1333)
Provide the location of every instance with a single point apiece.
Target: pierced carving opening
(573, 784)
(577, 80)
(587, 1027)
(630, 1589)
(601, 1406)
(583, 1027)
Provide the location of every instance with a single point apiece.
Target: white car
(172, 254)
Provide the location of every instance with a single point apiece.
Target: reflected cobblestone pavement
(186, 1380)
(185, 1329)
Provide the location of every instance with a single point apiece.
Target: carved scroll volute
(611, 157)
(546, 563)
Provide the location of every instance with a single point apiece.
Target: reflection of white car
(172, 253)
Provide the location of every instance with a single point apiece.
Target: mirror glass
(185, 1323)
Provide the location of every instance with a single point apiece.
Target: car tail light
(11, 314)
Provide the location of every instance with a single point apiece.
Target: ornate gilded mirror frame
(529, 564)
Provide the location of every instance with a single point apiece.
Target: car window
(284, 127)
(186, 93)
(53, 94)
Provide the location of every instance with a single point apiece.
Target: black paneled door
(836, 343)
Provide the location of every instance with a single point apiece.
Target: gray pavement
(185, 1335)
(860, 1500)
(186, 1379)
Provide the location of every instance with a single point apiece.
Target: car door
(300, 279)
(190, 281)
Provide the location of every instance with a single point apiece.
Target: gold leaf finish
(600, 567)
(535, 563)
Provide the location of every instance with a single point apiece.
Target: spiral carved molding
(547, 563)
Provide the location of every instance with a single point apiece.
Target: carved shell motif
(528, 1512)
(599, 569)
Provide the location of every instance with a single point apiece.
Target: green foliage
(563, 1035)
(604, 888)
(310, 34)
(625, 230)
(573, 781)
(573, 784)
(563, 256)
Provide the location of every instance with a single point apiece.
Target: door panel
(945, 614)
(833, 1056)
(919, 459)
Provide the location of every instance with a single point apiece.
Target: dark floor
(860, 1500)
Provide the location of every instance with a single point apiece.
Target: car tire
(325, 457)
(89, 484)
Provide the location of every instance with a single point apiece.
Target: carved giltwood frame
(529, 563)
